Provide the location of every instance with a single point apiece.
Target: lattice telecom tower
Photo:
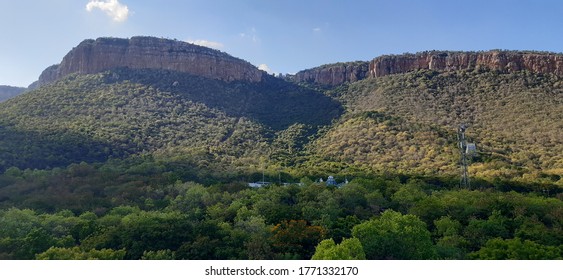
(466, 150)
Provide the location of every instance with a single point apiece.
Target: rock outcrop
(333, 74)
(503, 61)
(48, 75)
(93, 56)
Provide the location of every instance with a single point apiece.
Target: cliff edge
(333, 74)
(503, 61)
(442, 61)
(93, 56)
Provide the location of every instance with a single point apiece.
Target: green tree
(395, 236)
(449, 244)
(534, 230)
(349, 249)
(517, 249)
(158, 255)
(342, 227)
(479, 231)
(352, 200)
(408, 195)
(153, 231)
(446, 226)
(75, 253)
(297, 238)
(257, 245)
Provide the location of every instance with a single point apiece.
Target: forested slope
(126, 112)
(408, 123)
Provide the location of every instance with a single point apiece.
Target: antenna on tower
(464, 181)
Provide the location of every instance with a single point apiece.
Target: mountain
(332, 74)
(129, 150)
(495, 60)
(115, 98)
(408, 123)
(93, 56)
(7, 92)
(501, 61)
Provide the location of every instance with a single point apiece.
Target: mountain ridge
(333, 74)
(496, 60)
(379, 104)
(409, 121)
(123, 112)
(155, 163)
(503, 61)
(141, 52)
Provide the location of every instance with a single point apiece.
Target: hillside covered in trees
(408, 123)
(155, 164)
(120, 113)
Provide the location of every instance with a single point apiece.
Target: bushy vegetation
(120, 113)
(407, 123)
(379, 218)
(150, 164)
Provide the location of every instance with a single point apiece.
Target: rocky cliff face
(333, 74)
(92, 56)
(48, 75)
(503, 61)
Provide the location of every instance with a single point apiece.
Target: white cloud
(205, 43)
(265, 67)
(317, 29)
(117, 11)
(251, 34)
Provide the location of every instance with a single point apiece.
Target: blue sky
(286, 36)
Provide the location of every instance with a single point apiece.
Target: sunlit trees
(393, 217)
(395, 236)
(75, 253)
(516, 249)
(348, 249)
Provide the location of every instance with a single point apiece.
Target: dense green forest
(152, 164)
(100, 212)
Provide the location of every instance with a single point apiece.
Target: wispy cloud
(117, 11)
(205, 43)
(317, 29)
(251, 34)
(265, 67)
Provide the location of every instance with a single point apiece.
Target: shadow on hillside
(273, 102)
(44, 150)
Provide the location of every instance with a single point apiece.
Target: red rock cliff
(92, 56)
(503, 61)
(333, 74)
